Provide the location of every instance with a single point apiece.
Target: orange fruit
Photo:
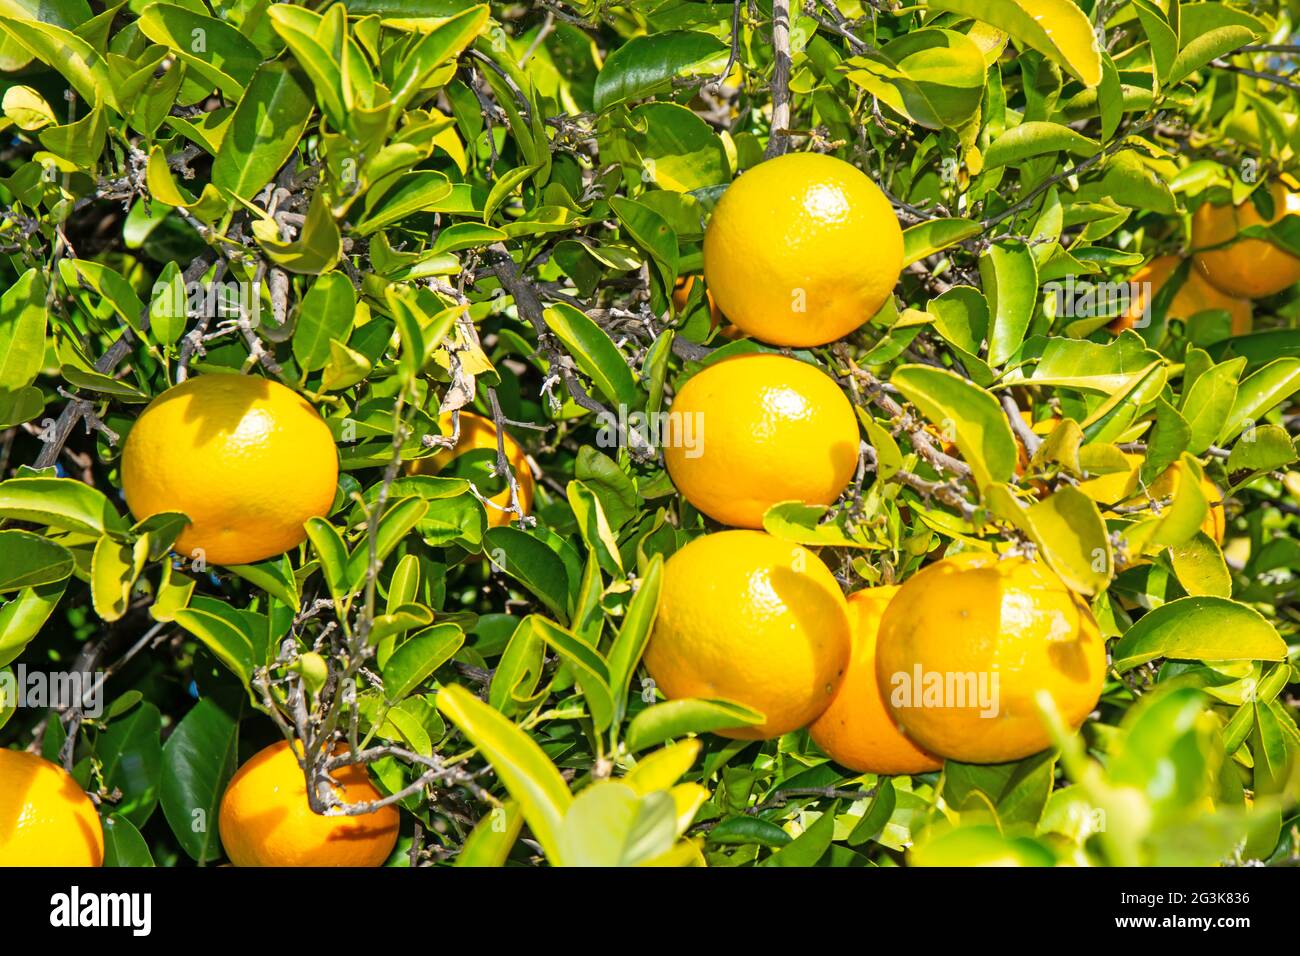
(802, 249)
(1193, 296)
(856, 730)
(968, 643)
(754, 430)
(46, 819)
(1248, 268)
(266, 820)
(479, 435)
(246, 458)
(753, 619)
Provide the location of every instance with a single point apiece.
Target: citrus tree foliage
(420, 206)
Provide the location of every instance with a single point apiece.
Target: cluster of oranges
(956, 663)
(799, 252)
(1226, 272)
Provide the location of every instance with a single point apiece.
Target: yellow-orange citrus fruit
(755, 430)
(1193, 296)
(46, 819)
(267, 821)
(802, 249)
(246, 458)
(753, 619)
(856, 730)
(968, 643)
(478, 434)
(1248, 268)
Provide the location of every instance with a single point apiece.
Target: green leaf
(324, 318)
(1199, 628)
(1206, 47)
(1058, 29)
(411, 193)
(332, 554)
(317, 249)
(610, 824)
(934, 77)
(519, 763)
(590, 671)
(926, 238)
(675, 149)
(979, 845)
(212, 48)
(440, 44)
(646, 64)
(687, 715)
(22, 331)
(1257, 394)
(1069, 530)
(31, 561)
(79, 275)
(274, 576)
(808, 847)
(1200, 567)
(746, 830)
(63, 503)
(1265, 448)
(130, 752)
(967, 412)
(597, 356)
(529, 561)
(230, 639)
(1033, 139)
(634, 633)
(123, 844)
(74, 58)
(1010, 281)
(402, 515)
(23, 615)
(492, 838)
(418, 657)
(198, 760)
(265, 130)
(1207, 403)
(652, 233)
(113, 571)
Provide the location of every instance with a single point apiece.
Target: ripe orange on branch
(1250, 268)
(801, 250)
(266, 819)
(478, 434)
(247, 459)
(968, 643)
(46, 819)
(1195, 295)
(769, 429)
(856, 730)
(753, 619)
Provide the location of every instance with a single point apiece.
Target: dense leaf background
(443, 205)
